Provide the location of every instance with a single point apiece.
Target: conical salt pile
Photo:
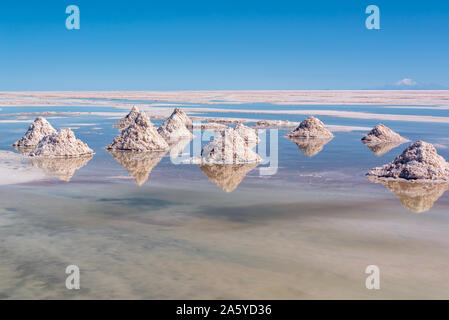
(419, 161)
(138, 164)
(310, 128)
(37, 130)
(227, 176)
(62, 143)
(248, 134)
(381, 133)
(175, 127)
(228, 148)
(179, 113)
(128, 119)
(139, 136)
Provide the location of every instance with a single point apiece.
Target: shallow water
(309, 231)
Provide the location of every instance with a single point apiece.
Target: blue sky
(215, 44)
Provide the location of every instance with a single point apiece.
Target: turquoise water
(308, 231)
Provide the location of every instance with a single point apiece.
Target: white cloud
(407, 82)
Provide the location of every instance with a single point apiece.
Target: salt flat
(143, 229)
(279, 97)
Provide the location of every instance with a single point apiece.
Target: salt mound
(179, 113)
(139, 136)
(415, 196)
(228, 148)
(380, 148)
(128, 119)
(62, 143)
(312, 146)
(381, 133)
(311, 128)
(227, 176)
(37, 130)
(248, 134)
(138, 164)
(61, 168)
(175, 126)
(419, 161)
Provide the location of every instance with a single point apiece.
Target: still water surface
(147, 228)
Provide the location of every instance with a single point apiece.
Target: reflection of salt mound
(380, 148)
(419, 161)
(381, 133)
(175, 126)
(228, 148)
(139, 136)
(61, 168)
(415, 196)
(178, 147)
(61, 144)
(311, 128)
(138, 164)
(227, 176)
(128, 119)
(310, 146)
(36, 131)
(24, 150)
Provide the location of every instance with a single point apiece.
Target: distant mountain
(410, 84)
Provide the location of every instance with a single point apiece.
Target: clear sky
(221, 44)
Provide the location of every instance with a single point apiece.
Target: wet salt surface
(307, 232)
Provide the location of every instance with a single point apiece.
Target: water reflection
(23, 150)
(61, 168)
(138, 164)
(415, 196)
(381, 148)
(177, 147)
(310, 146)
(227, 176)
